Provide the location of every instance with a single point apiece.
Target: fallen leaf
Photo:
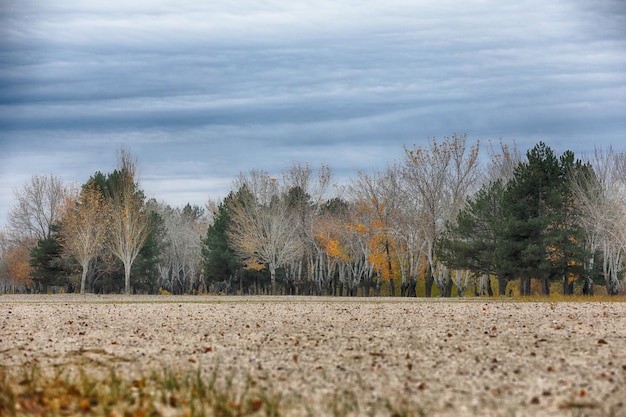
(256, 405)
(602, 342)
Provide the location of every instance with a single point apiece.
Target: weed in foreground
(33, 391)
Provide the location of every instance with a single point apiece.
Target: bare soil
(440, 357)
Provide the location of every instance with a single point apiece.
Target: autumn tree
(129, 221)
(84, 227)
(14, 266)
(31, 223)
(329, 229)
(263, 229)
(378, 199)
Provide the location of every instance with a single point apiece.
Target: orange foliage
(380, 243)
(18, 269)
(332, 247)
(381, 250)
(253, 265)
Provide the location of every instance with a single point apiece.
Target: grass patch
(575, 298)
(33, 391)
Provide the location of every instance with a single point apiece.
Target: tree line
(442, 220)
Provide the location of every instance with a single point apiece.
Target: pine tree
(219, 260)
(542, 239)
(46, 262)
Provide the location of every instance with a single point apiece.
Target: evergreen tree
(567, 237)
(542, 239)
(47, 263)
(220, 263)
(474, 240)
(145, 268)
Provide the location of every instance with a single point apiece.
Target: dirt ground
(444, 358)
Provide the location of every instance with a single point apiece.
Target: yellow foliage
(332, 247)
(253, 265)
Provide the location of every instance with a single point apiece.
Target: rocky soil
(441, 358)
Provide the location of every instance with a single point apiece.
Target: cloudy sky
(202, 90)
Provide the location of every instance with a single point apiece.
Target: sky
(200, 91)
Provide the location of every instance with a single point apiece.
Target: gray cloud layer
(201, 91)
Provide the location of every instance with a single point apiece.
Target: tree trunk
(524, 286)
(430, 280)
(545, 286)
(411, 290)
(392, 288)
(588, 286)
(477, 291)
(568, 288)
(502, 283)
(448, 287)
(83, 278)
(127, 290)
(274, 287)
(489, 289)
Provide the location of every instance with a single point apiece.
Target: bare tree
(441, 177)
(502, 161)
(181, 251)
(601, 194)
(129, 222)
(263, 227)
(84, 227)
(305, 192)
(37, 209)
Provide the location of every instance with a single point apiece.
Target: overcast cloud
(200, 91)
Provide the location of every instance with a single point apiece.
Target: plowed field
(426, 357)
